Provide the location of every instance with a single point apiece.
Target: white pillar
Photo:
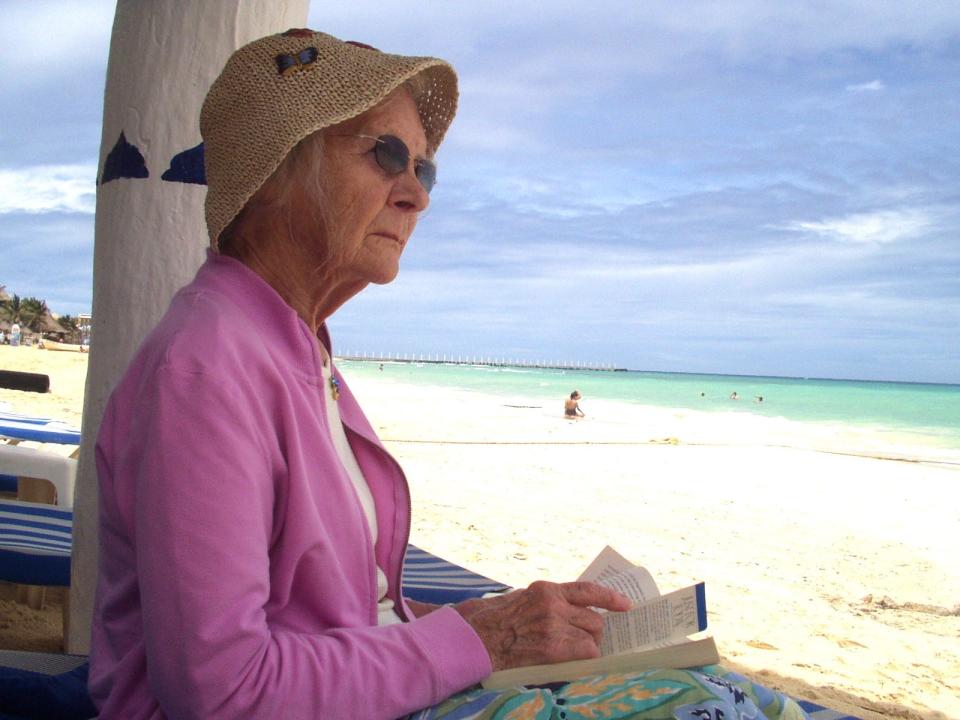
(150, 232)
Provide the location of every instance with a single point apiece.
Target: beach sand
(830, 573)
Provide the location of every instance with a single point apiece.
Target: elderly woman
(252, 526)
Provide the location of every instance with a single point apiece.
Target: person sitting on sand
(252, 525)
(571, 406)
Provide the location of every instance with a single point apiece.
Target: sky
(753, 187)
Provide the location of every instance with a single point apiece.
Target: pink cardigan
(236, 574)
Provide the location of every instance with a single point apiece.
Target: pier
(477, 360)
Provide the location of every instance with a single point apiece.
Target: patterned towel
(709, 693)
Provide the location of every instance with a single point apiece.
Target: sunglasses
(393, 156)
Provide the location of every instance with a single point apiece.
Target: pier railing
(480, 360)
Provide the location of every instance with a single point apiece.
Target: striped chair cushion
(52, 432)
(428, 578)
(35, 543)
(8, 483)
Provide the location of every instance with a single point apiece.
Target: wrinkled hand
(546, 623)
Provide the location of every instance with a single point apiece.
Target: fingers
(588, 621)
(587, 594)
(567, 643)
(582, 597)
(543, 624)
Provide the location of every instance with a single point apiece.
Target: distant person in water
(571, 406)
(734, 396)
(759, 398)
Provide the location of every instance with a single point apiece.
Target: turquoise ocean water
(927, 411)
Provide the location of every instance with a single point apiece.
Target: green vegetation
(34, 315)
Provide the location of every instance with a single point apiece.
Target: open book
(652, 634)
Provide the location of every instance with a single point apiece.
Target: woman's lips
(390, 236)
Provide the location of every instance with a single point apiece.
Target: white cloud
(882, 227)
(48, 188)
(872, 86)
(586, 42)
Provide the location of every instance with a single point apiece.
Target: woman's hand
(546, 623)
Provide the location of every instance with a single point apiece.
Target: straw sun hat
(277, 90)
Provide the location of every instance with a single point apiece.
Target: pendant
(334, 387)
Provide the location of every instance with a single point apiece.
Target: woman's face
(372, 213)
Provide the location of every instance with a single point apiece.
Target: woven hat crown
(275, 91)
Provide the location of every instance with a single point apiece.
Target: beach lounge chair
(8, 483)
(431, 579)
(23, 462)
(6, 414)
(36, 476)
(44, 432)
(15, 428)
(46, 680)
(35, 685)
(44, 685)
(35, 543)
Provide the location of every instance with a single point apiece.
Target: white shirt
(386, 614)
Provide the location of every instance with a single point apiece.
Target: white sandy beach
(830, 572)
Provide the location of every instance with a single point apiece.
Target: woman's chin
(385, 275)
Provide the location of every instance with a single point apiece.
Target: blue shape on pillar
(124, 161)
(187, 167)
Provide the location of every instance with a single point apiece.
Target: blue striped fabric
(53, 432)
(17, 417)
(818, 712)
(428, 578)
(35, 543)
(8, 483)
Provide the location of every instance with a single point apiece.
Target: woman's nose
(408, 194)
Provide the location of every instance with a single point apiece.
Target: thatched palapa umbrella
(48, 324)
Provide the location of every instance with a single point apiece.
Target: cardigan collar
(269, 314)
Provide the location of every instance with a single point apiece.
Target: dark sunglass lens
(426, 173)
(392, 154)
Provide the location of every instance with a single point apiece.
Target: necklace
(334, 387)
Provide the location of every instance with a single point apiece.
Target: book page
(662, 620)
(613, 570)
